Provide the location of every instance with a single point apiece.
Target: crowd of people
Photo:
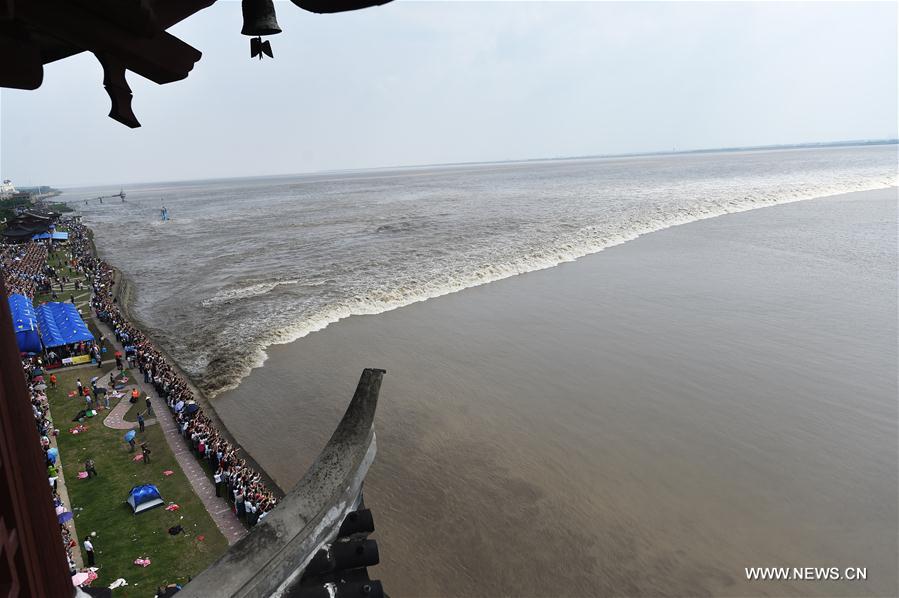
(26, 271)
(34, 376)
(25, 268)
(234, 478)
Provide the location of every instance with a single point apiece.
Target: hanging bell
(259, 17)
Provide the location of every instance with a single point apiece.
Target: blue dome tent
(61, 324)
(24, 322)
(144, 497)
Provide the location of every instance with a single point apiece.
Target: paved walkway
(218, 508)
(227, 522)
(115, 419)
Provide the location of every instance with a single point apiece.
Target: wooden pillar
(32, 558)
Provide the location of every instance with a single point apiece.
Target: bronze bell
(259, 17)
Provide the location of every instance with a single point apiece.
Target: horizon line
(800, 145)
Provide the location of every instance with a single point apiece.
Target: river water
(244, 264)
(649, 420)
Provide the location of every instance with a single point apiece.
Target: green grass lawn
(99, 503)
(57, 260)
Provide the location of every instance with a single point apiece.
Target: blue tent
(61, 324)
(55, 236)
(24, 323)
(144, 497)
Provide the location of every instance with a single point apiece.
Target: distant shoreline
(402, 167)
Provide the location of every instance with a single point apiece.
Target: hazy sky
(432, 82)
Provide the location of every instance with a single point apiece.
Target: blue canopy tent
(144, 497)
(61, 324)
(24, 323)
(53, 235)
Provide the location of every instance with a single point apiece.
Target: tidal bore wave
(229, 372)
(246, 264)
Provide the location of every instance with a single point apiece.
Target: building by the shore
(7, 190)
(28, 223)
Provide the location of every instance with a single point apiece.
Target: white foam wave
(245, 292)
(592, 240)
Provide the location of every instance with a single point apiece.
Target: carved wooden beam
(123, 34)
(22, 66)
(276, 551)
(118, 90)
(162, 58)
(332, 6)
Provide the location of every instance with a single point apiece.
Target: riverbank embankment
(124, 292)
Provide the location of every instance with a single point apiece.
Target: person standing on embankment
(89, 551)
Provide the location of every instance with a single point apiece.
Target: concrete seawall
(125, 295)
